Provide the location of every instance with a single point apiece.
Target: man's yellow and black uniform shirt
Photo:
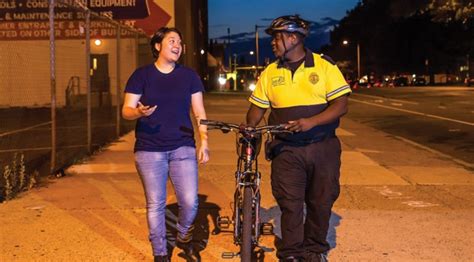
(307, 92)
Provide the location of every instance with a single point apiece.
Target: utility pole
(257, 62)
(345, 42)
(358, 60)
(229, 49)
(235, 72)
(467, 67)
(52, 64)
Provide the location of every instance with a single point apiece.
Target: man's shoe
(190, 253)
(292, 259)
(161, 259)
(317, 257)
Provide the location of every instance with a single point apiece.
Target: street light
(345, 42)
(239, 54)
(235, 65)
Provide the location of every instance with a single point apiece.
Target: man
(308, 93)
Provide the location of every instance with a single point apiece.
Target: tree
(420, 36)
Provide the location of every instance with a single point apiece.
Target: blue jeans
(154, 167)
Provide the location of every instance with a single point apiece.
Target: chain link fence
(62, 74)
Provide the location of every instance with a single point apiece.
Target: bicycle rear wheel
(246, 245)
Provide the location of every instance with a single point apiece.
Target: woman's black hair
(158, 36)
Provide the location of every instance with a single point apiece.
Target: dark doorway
(100, 81)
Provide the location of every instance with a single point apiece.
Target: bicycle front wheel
(246, 245)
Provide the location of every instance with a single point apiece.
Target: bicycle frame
(247, 175)
(246, 211)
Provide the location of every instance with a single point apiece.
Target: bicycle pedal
(228, 255)
(266, 229)
(223, 222)
(265, 249)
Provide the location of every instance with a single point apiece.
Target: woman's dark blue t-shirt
(170, 126)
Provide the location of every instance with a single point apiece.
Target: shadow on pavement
(272, 215)
(201, 224)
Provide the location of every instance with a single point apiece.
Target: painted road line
(363, 150)
(389, 99)
(394, 195)
(24, 129)
(414, 112)
(451, 88)
(436, 152)
(415, 203)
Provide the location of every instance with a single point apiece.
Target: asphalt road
(438, 118)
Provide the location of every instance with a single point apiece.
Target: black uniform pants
(306, 174)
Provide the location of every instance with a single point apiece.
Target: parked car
(400, 81)
(367, 81)
(418, 81)
(363, 82)
(352, 83)
(469, 81)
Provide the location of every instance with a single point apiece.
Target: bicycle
(246, 209)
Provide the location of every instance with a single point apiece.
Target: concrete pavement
(399, 202)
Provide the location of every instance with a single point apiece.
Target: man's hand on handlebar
(300, 125)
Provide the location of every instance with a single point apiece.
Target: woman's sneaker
(317, 257)
(185, 243)
(161, 259)
(190, 253)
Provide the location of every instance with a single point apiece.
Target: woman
(159, 96)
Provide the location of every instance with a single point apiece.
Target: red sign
(21, 10)
(69, 24)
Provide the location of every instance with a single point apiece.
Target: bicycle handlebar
(226, 127)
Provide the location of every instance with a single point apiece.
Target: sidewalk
(386, 211)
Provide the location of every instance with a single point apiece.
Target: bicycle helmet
(289, 23)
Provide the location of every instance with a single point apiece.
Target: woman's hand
(199, 112)
(132, 108)
(145, 110)
(203, 154)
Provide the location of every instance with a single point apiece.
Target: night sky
(241, 16)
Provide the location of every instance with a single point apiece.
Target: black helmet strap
(283, 58)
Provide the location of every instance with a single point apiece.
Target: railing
(48, 114)
(73, 89)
